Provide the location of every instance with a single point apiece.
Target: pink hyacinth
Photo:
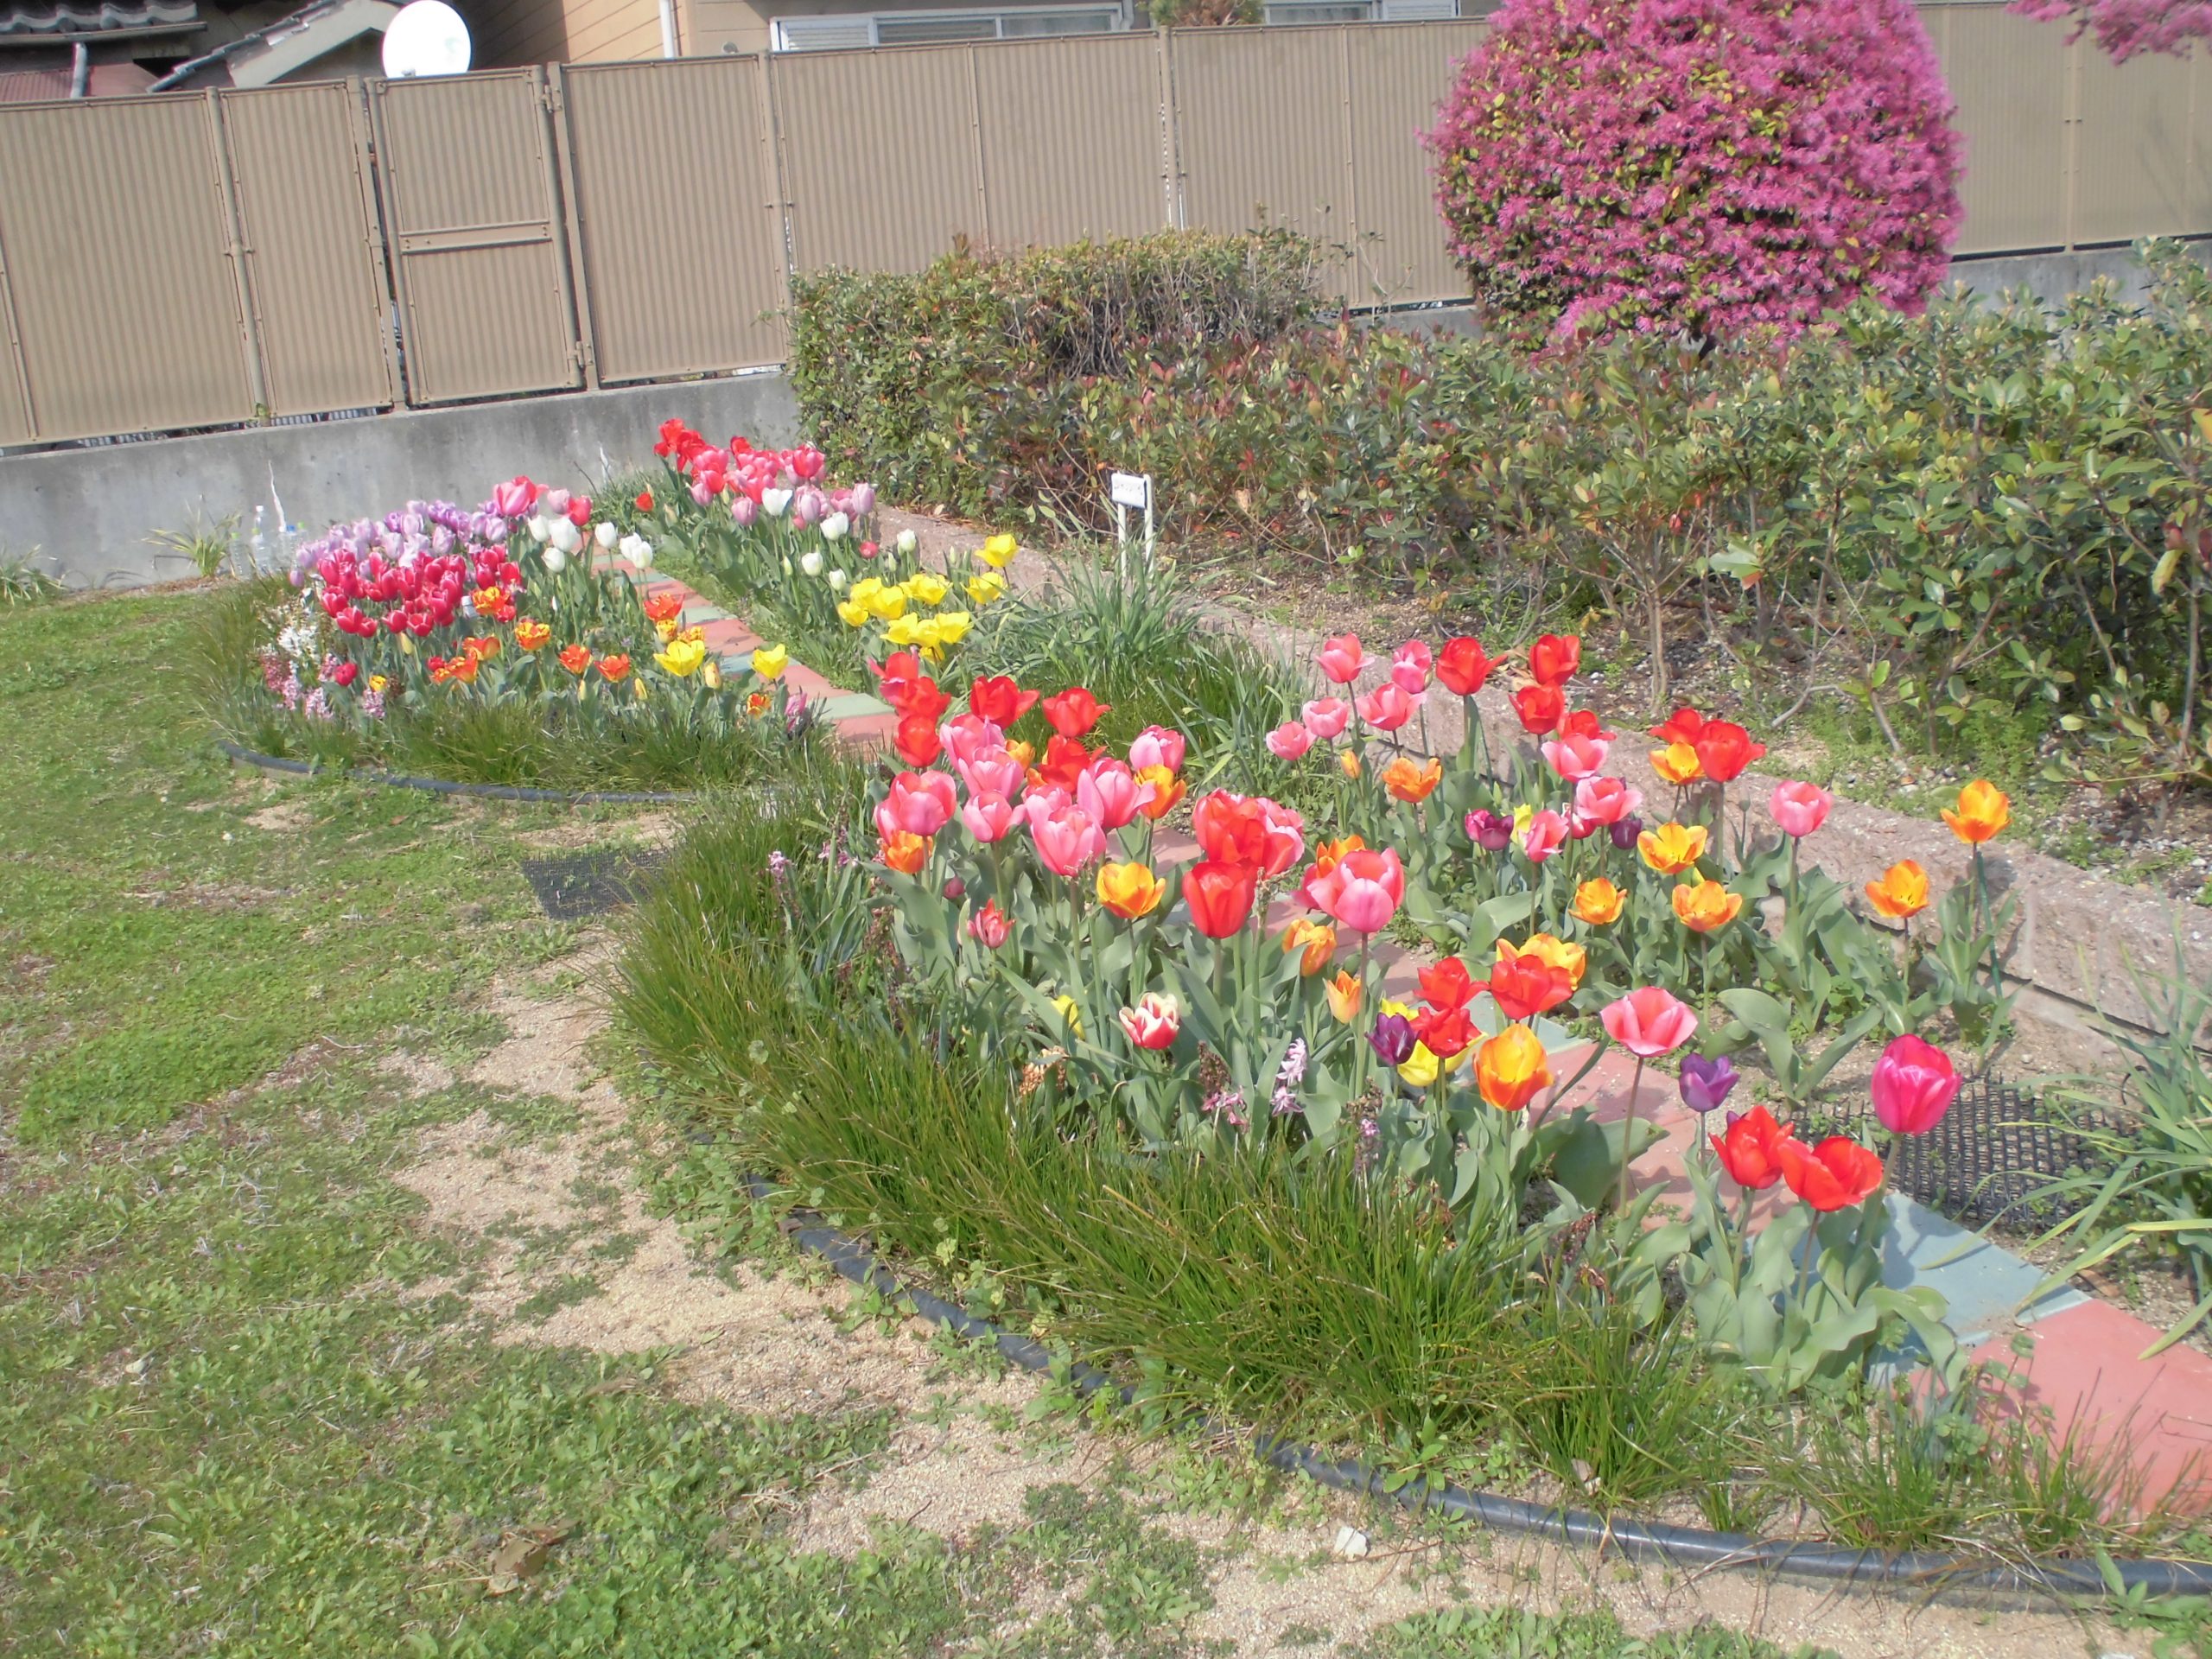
(1289, 741)
(1800, 809)
(1650, 1022)
(1342, 658)
(1327, 717)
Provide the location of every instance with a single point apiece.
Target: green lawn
(223, 1427)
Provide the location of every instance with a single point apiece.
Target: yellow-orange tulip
(1410, 782)
(1349, 761)
(1677, 762)
(1553, 952)
(1706, 905)
(1984, 810)
(1130, 890)
(1599, 902)
(1343, 997)
(1672, 847)
(1902, 893)
(1167, 792)
(1024, 754)
(905, 853)
(1318, 940)
(1511, 1069)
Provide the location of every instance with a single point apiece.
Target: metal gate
(472, 210)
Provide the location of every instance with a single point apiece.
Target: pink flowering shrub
(2125, 28)
(1700, 164)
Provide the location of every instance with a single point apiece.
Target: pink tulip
(919, 803)
(1342, 658)
(1409, 668)
(1327, 717)
(1285, 841)
(1156, 746)
(1649, 1022)
(970, 736)
(745, 511)
(1546, 830)
(993, 771)
(512, 498)
(553, 503)
(1108, 793)
(1153, 1022)
(1363, 890)
(989, 926)
(1914, 1084)
(1576, 758)
(1289, 740)
(1605, 800)
(1067, 840)
(989, 815)
(1040, 803)
(1800, 809)
(1386, 708)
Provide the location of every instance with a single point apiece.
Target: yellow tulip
(1067, 1011)
(1315, 941)
(924, 588)
(682, 658)
(1672, 847)
(1570, 959)
(854, 613)
(1512, 1068)
(997, 552)
(1984, 810)
(888, 604)
(770, 662)
(1421, 1067)
(906, 631)
(865, 589)
(1706, 905)
(952, 625)
(986, 586)
(1599, 902)
(1130, 890)
(1344, 996)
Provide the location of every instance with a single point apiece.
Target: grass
(222, 1426)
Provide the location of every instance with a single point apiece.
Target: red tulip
(917, 741)
(1448, 1032)
(1681, 727)
(1751, 1151)
(1073, 712)
(1448, 984)
(1220, 896)
(1554, 658)
(1540, 707)
(999, 700)
(1527, 986)
(1248, 829)
(1064, 759)
(1724, 749)
(1835, 1175)
(1462, 666)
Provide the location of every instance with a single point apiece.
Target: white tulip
(834, 526)
(837, 581)
(538, 529)
(605, 534)
(565, 535)
(556, 561)
(773, 502)
(810, 561)
(907, 541)
(639, 551)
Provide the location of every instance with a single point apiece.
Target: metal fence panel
(315, 267)
(2133, 173)
(1071, 140)
(2009, 76)
(879, 158)
(680, 255)
(1400, 74)
(120, 269)
(476, 235)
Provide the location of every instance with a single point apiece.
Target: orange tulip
(1599, 902)
(1984, 810)
(1130, 890)
(1672, 847)
(614, 669)
(1167, 790)
(1902, 893)
(1553, 952)
(1511, 1070)
(531, 636)
(663, 606)
(1706, 905)
(1316, 939)
(1410, 782)
(576, 658)
(1343, 997)
(1023, 753)
(481, 645)
(903, 852)
(1677, 762)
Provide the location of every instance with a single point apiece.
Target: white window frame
(779, 41)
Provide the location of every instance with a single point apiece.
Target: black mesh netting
(587, 884)
(1996, 1146)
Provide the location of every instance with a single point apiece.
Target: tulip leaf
(1589, 1159)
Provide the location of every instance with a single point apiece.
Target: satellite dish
(427, 38)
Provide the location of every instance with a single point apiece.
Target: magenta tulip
(1914, 1084)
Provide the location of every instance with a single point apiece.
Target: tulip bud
(954, 887)
(837, 581)
(1625, 830)
(906, 542)
(862, 500)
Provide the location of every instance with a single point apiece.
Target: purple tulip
(744, 509)
(1625, 830)
(1491, 832)
(863, 499)
(1706, 1083)
(1393, 1038)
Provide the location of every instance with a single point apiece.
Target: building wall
(514, 32)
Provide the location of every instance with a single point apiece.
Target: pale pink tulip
(918, 804)
(1605, 800)
(1156, 746)
(1363, 890)
(1576, 758)
(1067, 840)
(1546, 830)
(993, 771)
(1289, 740)
(1342, 658)
(1327, 717)
(970, 736)
(1387, 707)
(1800, 809)
(1109, 794)
(1650, 1022)
(988, 815)
(1409, 668)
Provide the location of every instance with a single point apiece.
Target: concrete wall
(89, 511)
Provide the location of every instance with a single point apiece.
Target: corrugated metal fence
(210, 260)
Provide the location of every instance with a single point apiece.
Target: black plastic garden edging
(448, 786)
(1682, 1548)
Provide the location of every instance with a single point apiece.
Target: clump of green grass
(24, 582)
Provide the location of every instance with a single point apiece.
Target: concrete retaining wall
(88, 512)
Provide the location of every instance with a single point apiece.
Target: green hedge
(956, 385)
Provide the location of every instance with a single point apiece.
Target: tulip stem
(1367, 1006)
(1627, 1132)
